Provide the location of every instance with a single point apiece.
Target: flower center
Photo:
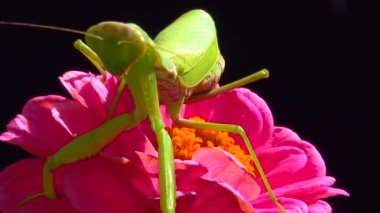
(188, 140)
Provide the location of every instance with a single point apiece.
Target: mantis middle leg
(237, 130)
(83, 147)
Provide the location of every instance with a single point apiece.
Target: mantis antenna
(41, 26)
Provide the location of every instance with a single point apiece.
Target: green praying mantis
(182, 64)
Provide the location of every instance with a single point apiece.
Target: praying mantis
(182, 64)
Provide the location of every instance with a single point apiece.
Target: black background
(321, 55)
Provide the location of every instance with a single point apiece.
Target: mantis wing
(193, 46)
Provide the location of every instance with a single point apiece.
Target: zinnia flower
(214, 173)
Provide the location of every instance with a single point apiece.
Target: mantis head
(120, 44)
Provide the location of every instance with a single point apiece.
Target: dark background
(321, 56)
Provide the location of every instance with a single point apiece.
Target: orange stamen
(188, 140)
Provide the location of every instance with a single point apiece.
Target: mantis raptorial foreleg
(90, 55)
(237, 130)
(97, 62)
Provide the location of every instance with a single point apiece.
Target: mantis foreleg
(91, 55)
(97, 62)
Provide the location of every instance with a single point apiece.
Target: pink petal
(223, 167)
(87, 90)
(315, 166)
(125, 102)
(91, 92)
(128, 143)
(292, 158)
(282, 135)
(22, 179)
(212, 196)
(186, 171)
(19, 181)
(98, 185)
(204, 108)
(194, 193)
(44, 204)
(249, 111)
(75, 118)
(290, 205)
(320, 206)
(282, 162)
(48, 123)
(309, 192)
(35, 129)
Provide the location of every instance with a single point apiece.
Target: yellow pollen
(188, 140)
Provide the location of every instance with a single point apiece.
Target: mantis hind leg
(166, 167)
(165, 146)
(237, 130)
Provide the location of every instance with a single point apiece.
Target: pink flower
(124, 176)
(294, 168)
